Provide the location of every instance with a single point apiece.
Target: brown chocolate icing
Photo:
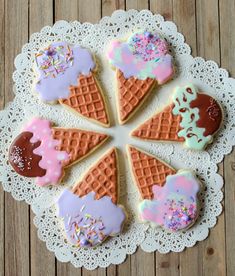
(210, 113)
(22, 158)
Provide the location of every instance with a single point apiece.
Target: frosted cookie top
(201, 116)
(174, 206)
(143, 55)
(34, 153)
(88, 221)
(59, 66)
(51, 157)
(54, 60)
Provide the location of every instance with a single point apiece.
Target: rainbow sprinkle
(54, 60)
(86, 233)
(148, 46)
(179, 214)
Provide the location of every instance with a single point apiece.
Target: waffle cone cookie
(147, 171)
(142, 62)
(163, 126)
(192, 118)
(90, 211)
(66, 74)
(131, 94)
(102, 178)
(169, 198)
(43, 151)
(77, 143)
(87, 99)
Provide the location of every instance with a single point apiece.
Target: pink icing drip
(51, 158)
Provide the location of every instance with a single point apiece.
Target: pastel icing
(87, 221)
(51, 158)
(175, 205)
(143, 55)
(59, 66)
(193, 135)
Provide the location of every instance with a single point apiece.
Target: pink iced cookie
(175, 205)
(144, 55)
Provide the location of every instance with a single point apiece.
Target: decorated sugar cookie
(192, 118)
(141, 62)
(67, 74)
(169, 198)
(90, 211)
(43, 151)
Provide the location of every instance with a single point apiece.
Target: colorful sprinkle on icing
(175, 205)
(22, 158)
(54, 60)
(51, 158)
(87, 221)
(17, 158)
(59, 66)
(148, 46)
(193, 135)
(144, 55)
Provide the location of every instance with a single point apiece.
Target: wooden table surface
(209, 28)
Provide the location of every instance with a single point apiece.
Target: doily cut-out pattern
(205, 74)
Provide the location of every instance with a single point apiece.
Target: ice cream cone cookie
(169, 198)
(90, 211)
(67, 75)
(141, 62)
(192, 118)
(43, 151)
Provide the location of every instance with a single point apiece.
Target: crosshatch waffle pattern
(77, 143)
(86, 98)
(148, 171)
(102, 178)
(131, 94)
(162, 126)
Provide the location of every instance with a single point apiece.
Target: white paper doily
(205, 74)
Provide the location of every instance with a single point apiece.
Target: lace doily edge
(61, 257)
